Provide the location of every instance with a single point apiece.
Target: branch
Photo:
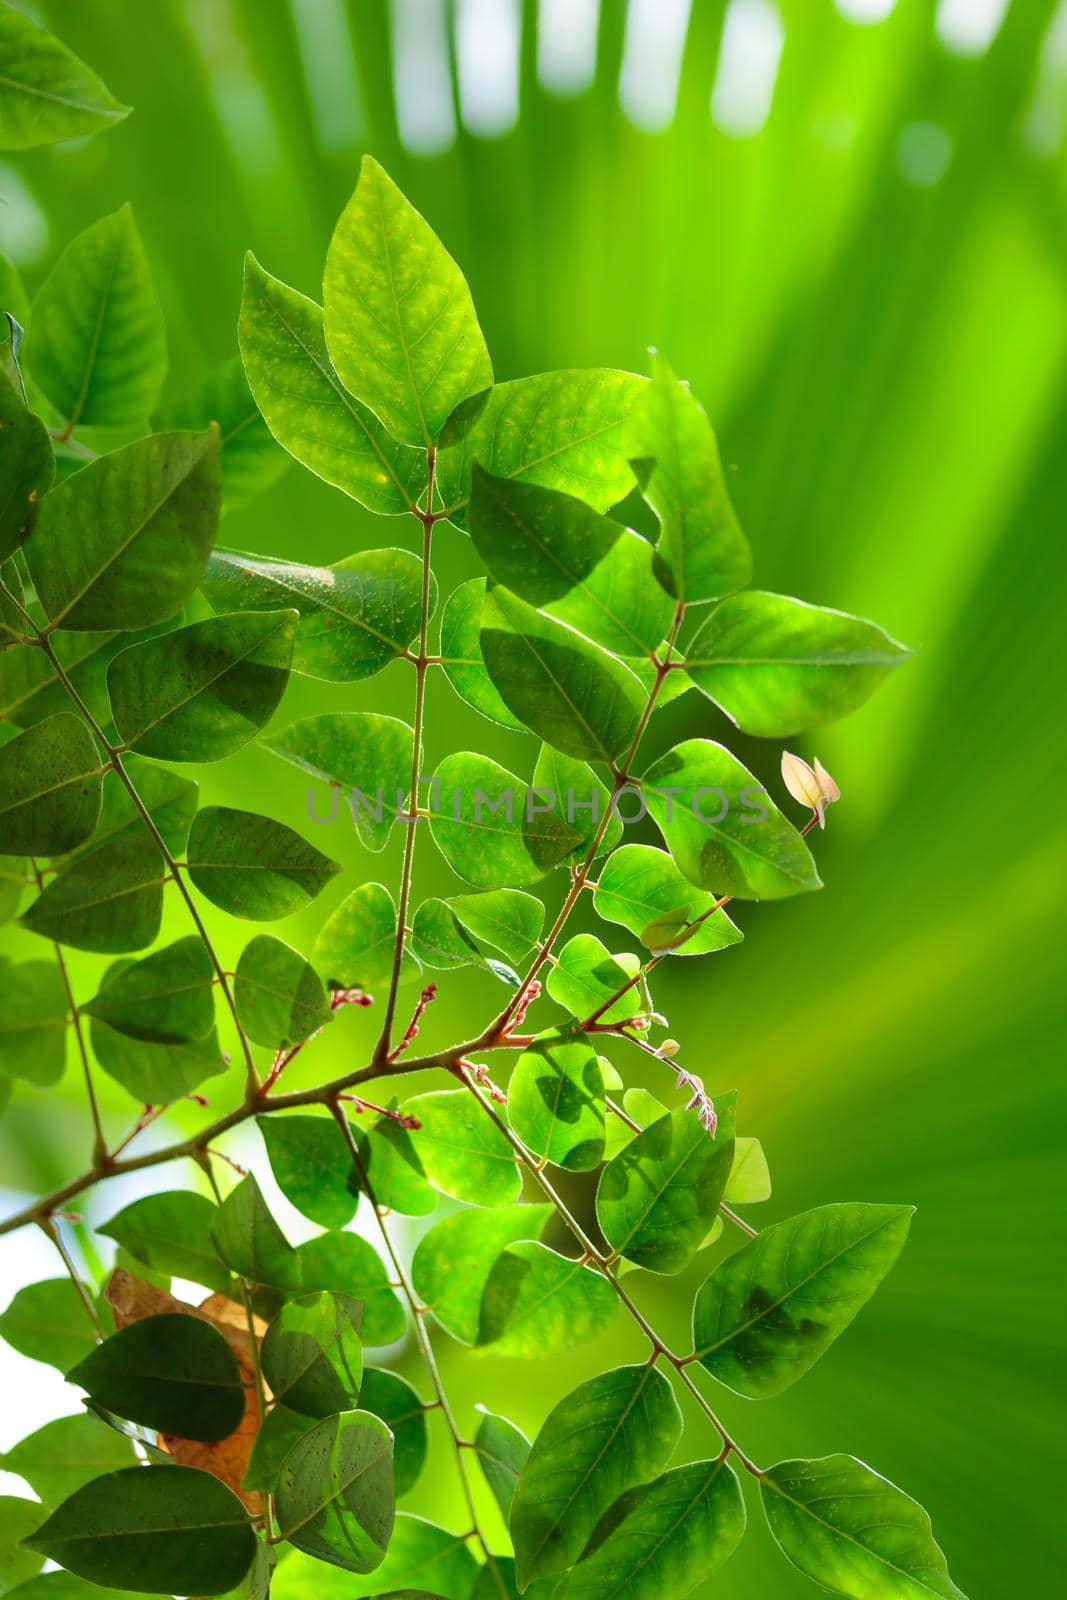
(323, 1094)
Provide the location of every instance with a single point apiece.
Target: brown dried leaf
(131, 1299)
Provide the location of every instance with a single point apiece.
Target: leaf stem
(48, 1227)
(427, 518)
(688, 929)
(99, 1143)
(115, 760)
(418, 1314)
(578, 881)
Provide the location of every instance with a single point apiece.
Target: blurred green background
(845, 224)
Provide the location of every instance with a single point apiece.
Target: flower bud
(810, 786)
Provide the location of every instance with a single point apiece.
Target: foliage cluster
(222, 1437)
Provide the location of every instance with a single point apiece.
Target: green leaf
(400, 324)
(484, 826)
(279, 995)
(556, 553)
(439, 940)
(722, 829)
(355, 944)
(13, 297)
(256, 1583)
(47, 1322)
(461, 653)
(462, 1151)
(505, 918)
(616, 1430)
(424, 1562)
(274, 1440)
(335, 1497)
(60, 1585)
(538, 1304)
(586, 975)
(853, 1531)
(14, 875)
(392, 1398)
(26, 469)
(312, 1355)
(311, 1166)
(249, 1240)
(670, 1536)
(33, 1022)
(155, 1074)
(50, 782)
(136, 1528)
(355, 617)
(110, 901)
(365, 756)
(766, 1314)
(659, 1196)
(17, 1519)
(700, 541)
(306, 406)
(640, 886)
(556, 1100)
(750, 1178)
(165, 999)
(345, 1263)
(64, 1454)
(204, 691)
(172, 1372)
(30, 690)
(169, 799)
(453, 1261)
(567, 690)
(252, 866)
(171, 1233)
(123, 542)
(12, 622)
(502, 1451)
(96, 343)
(393, 1168)
(46, 93)
(778, 666)
(562, 430)
(251, 460)
(580, 800)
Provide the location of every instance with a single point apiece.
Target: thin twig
(427, 518)
(418, 1313)
(42, 641)
(99, 1143)
(48, 1227)
(582, 872)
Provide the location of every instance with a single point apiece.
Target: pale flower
(810, 786)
